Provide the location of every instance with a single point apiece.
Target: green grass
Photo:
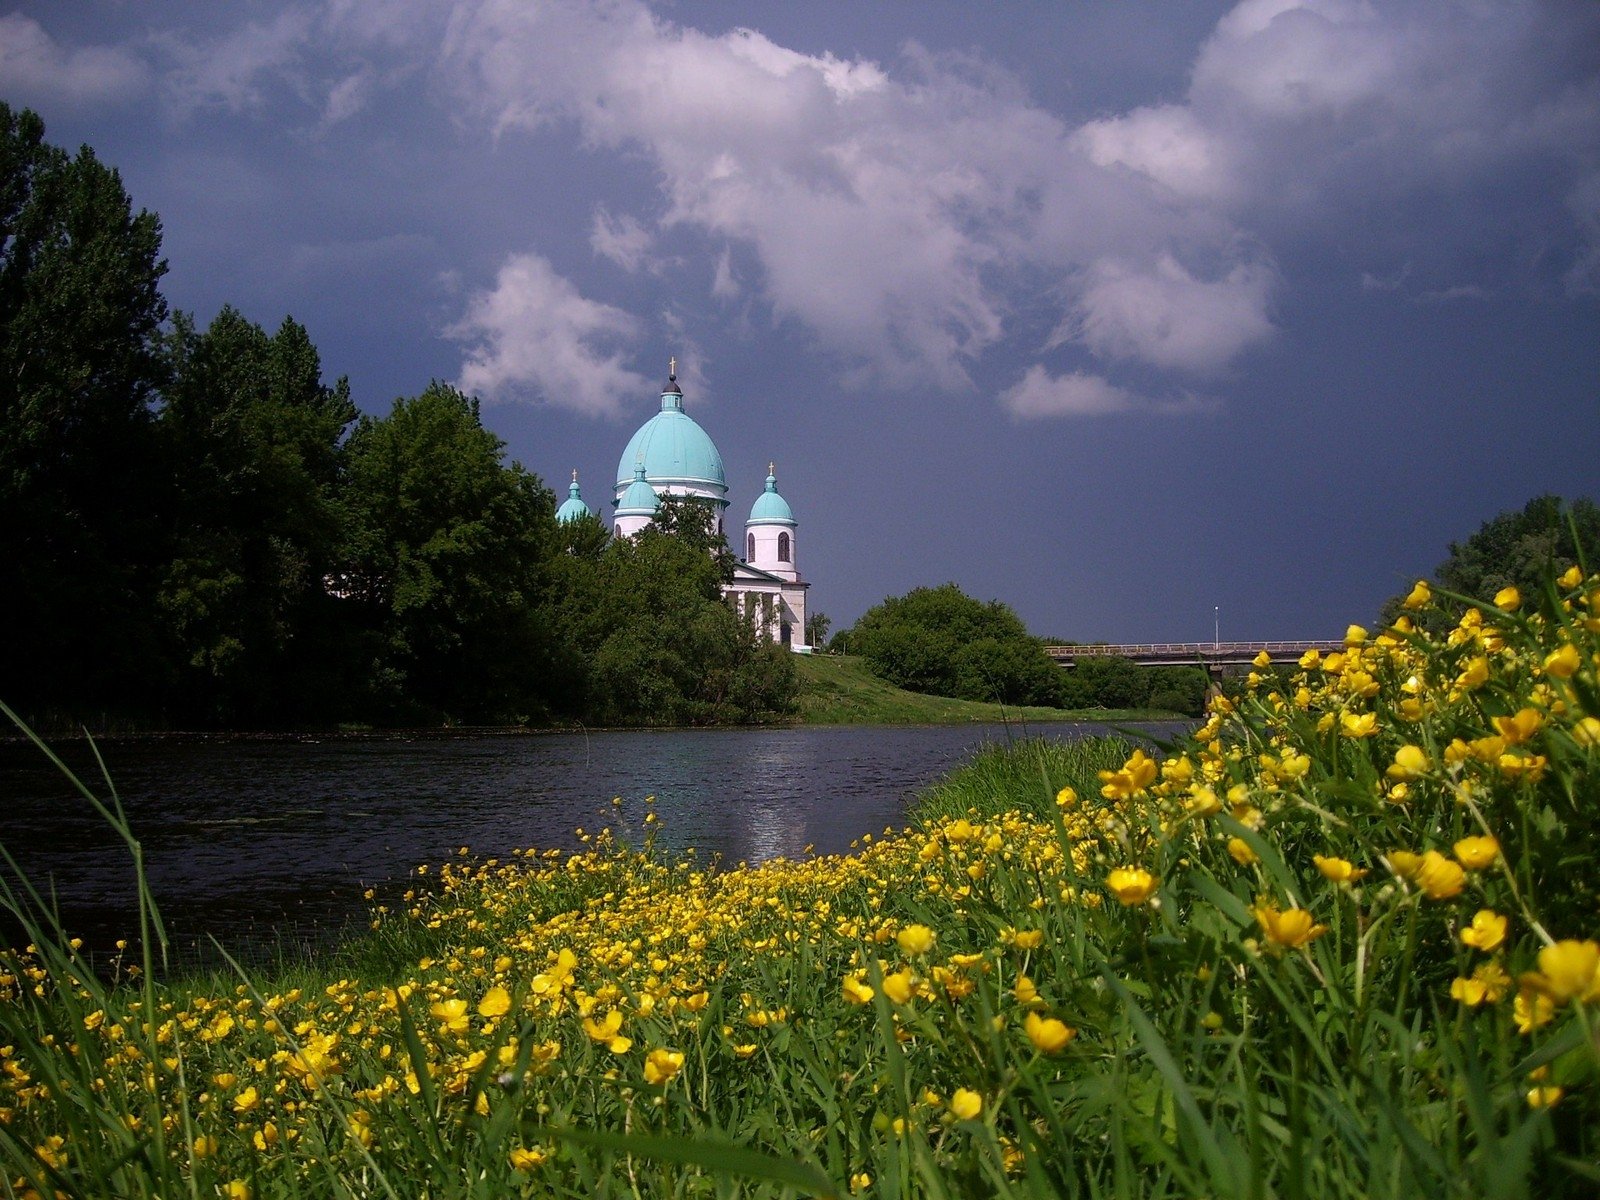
(838, 689)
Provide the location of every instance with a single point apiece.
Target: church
(671, 455)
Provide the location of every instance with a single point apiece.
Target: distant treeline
(199, 530)
(942, 642)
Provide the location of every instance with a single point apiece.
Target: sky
(1156, 321)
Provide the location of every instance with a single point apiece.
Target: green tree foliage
(252, 440)
(656, 639)
(80, 361)
(943, 642)
(817, 625)
(1520, 548)
(445, 554)
(1178, 689)
(1102, 681)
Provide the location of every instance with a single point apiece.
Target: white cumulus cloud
(36, 69)
(535, 334)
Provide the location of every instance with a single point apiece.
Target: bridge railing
(1192, 650)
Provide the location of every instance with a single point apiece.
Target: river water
(259, 841)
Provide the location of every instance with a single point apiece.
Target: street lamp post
(1216, 628)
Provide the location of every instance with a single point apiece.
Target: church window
(749, 547)
(783, 547)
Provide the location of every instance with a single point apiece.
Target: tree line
(199, 529)
(940, 641)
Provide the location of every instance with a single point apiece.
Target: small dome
(770, 508)
(640, 500)
(673, 449)
(573, 508)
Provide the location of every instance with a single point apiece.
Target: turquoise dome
(770, 508)
(673, 449)
(640, 500)
(573, 508)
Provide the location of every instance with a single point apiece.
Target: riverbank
(1339, 942)
(838, 689)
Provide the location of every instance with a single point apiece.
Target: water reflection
(247, 837)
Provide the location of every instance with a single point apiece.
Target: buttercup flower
(661, 1065)
(1487, 931)
(1292, 927)
(966, 1104)
(1337, 870)
(1048, 1035)
(916, 939)
(1131, 885)
(1569, 970)
(1476, 853)
(1439, 877)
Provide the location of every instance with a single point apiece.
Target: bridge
(1212, 655)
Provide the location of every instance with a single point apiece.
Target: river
(261, 841)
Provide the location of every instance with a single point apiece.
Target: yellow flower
(1048, 1035)
(1570, 970)
(1418, 596)
(1338, 870)
(236, 1189)
(1028, 939)
(1240, 851)
(496, 1002)
(1354, 635)
(246, 1100)
(1487, 931)
(1488, 983)
(451, 1014)
(1474, 675)
(1523, 766)
(1410, 762)
(899, 987)
(855, 990)
(1563, 663)
(1292, 927)
(1532, 1009)
(1404, 863)
(1519, 728)
(1508, 598)
(1136, 774)
(605, 1030)
(1587, 732)
(661, 1065)
(1066, 798)
(966, 1104)
(523, 1159)
(1358, 725)
(1476, 853)
(1544, 1096)
(1131, 885)
(916, 939)
(1439, 877)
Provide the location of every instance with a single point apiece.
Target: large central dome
(675, 451)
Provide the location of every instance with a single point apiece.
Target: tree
(943, 642)
(252, 439)
(80, 315)
(660, 644)
(1520, 548)
(817, 624)
(445, 558)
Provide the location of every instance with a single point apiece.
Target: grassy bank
(1339, 943)
(838, 689)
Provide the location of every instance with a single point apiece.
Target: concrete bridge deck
(1190, 654)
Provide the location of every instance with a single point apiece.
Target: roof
(770, 508)
(673, 448)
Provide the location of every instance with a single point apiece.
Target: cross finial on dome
(574, 474)
(772, 468)
(672, 367)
